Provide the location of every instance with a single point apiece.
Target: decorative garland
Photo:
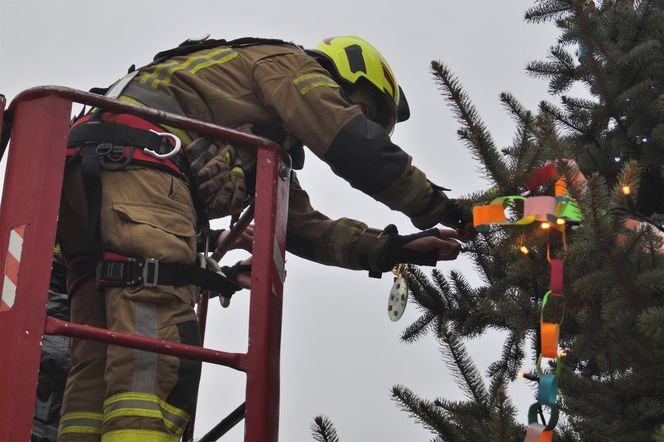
(555, 210)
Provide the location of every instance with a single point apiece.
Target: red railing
(33, 181)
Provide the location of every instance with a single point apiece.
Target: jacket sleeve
(363, 154)
(300, 93)
(343, 242)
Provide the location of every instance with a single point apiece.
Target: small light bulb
(617, 159)
(644, 139)
(524, 250)
(545, 226)
(626, 190)
(560, 221)
(520, 374)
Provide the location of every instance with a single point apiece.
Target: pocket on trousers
(164, 232)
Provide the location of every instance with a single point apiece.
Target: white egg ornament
(396, 303)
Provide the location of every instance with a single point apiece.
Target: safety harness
(102, 140)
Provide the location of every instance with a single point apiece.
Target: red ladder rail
(33, 181)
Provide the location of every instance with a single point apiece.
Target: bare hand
(448, 245)
(245, 240)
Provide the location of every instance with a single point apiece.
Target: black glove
(393, 252)
(454, 215)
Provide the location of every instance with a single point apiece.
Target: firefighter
(132, 206)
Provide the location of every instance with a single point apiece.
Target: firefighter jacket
(279, 85)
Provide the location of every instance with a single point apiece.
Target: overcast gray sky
(340, 353)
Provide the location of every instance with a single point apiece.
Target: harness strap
(121, 271)
(112, 141)
(111, 132)
(79, 269)
(120, 139)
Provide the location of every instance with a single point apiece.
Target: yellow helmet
(353, 61)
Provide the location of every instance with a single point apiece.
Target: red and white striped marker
(12, 265)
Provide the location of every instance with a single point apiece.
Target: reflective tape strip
(417, 182)
(12, 267)
(181, 134)
(145, 405)
(145, 362)
(341, 237)
(305, 83)
(138, 436)
(149, 79)
(164, 73)
(81, 423)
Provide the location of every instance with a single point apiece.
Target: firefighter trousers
(115, 393)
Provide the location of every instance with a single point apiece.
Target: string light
(545, 226)
(524, 250)
(560, 221)
(617, 159)
(626, 190)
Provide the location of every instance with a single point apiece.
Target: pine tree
(611, 381)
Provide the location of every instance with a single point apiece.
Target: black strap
(393, 252)
(117, 134)
(79, 269)
(233, 271)
(151, 272)
(189, 46)
(90, 173)
(108, 138)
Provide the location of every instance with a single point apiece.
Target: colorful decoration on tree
(555, 210)
(396, 303)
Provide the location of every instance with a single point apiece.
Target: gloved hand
(423, 248)
(458, 215)
(219, 184)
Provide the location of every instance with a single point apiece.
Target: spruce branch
(511, 358)
(425, 413)
(474, 131)
(560, 116)
(419, 328)
(463, 367)
(560, 69)
(525, 156)
(598, 202)
(323, 430)
(548, 10)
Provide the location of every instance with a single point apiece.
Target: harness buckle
(150, 272)
(103, 149)
(173, 151)
(110, 153)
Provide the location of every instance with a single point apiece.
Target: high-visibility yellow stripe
(138, 436)
(213, 62)
(305, 83)
(163, 73)
(129, 404)
(410, 189)
(181, 134)
(341, 237)
(132, 396)
(81, 415)
(80, 422)
(144, 78)
(142, 412)
(79, 429)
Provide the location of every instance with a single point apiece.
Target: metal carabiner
(170, 154)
